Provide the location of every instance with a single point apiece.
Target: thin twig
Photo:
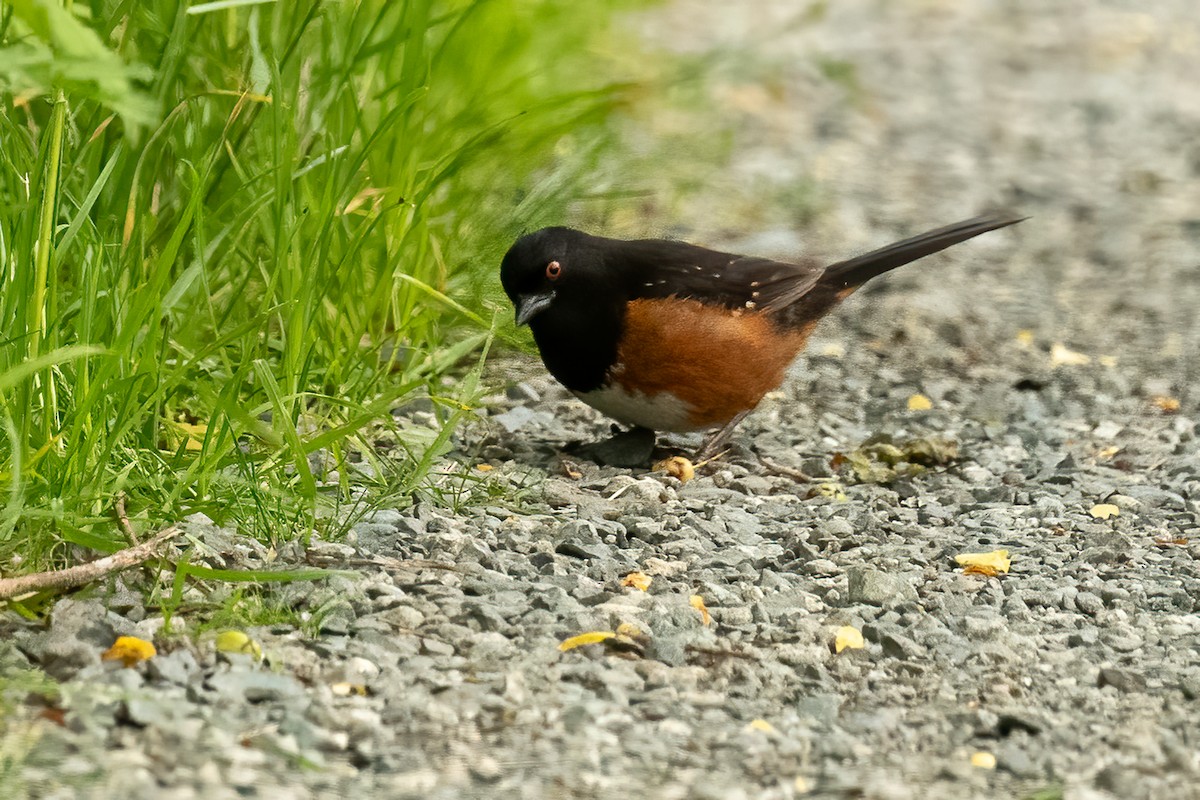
(85, 573)
(710, 459)
(123, 519)
(787, 472)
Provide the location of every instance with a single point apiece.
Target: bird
(668, 336)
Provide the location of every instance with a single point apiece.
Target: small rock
(876, 588)
(822, 567)
(80, 630)
(1121, 680)
(178, 667)
(1089, 603)
(486, 769)
(898, 646)
(822, 707)
(254, 686)
(516, 418)
(1084, 637)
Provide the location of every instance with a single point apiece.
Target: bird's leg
(717, 439)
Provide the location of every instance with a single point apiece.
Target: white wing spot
(716, 274)
(753, 283)
(755, 294)
(750, 304)
(648, 285)
(697, 268)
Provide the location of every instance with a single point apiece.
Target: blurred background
(235, 236)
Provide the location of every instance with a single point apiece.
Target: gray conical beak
(530, 305)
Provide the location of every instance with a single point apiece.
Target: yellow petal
(629, 629)
(637, 580)
(983, 760)
(697, 603)
(1165, 404)
(129, 650)
(484, 467)
(993, 563)
(591, 637)
(760, 725)
(848, 638)
(238, 642)
(1104, 511)
(919, 402)
(1061, 355)
(831, 490)
(345, 689)
(677, 467)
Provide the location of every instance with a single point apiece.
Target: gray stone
(178, 667)
(1121, 679)
(876, 588)
(253, 686)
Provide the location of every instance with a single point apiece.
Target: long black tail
(857, 271)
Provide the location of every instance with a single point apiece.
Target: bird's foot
(631, 448)
(716, 443)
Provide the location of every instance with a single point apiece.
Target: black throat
(578, 339)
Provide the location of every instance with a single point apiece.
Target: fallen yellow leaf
(129, 650)
(760, 725)
(484, 467)
(994, 563)
(677, 467)
(830, 490)
(591, 637)
(983, 760)
(637, 580)
(1104, 511)
(1061, 355)
(919, 402)
(629, 630)
(848, 638)
(238, 642)
(194, 434)
(1165, 404)
(1108, 452)
(697, 602)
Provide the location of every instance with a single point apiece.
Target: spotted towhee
(669, 336)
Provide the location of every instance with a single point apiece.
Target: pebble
(877, 588)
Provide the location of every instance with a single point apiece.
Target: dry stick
(123, 519)
(85, 573)
(786, 472)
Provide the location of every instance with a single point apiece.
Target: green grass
(236, 235)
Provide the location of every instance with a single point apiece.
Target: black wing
(660, 268)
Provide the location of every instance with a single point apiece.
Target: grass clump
(233, 235)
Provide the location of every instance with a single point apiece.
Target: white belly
(662, 412)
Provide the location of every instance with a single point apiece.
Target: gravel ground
(1049, 354)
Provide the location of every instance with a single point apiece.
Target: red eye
(553, 270)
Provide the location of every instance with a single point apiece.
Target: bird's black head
(564, 287)
(550, 269)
